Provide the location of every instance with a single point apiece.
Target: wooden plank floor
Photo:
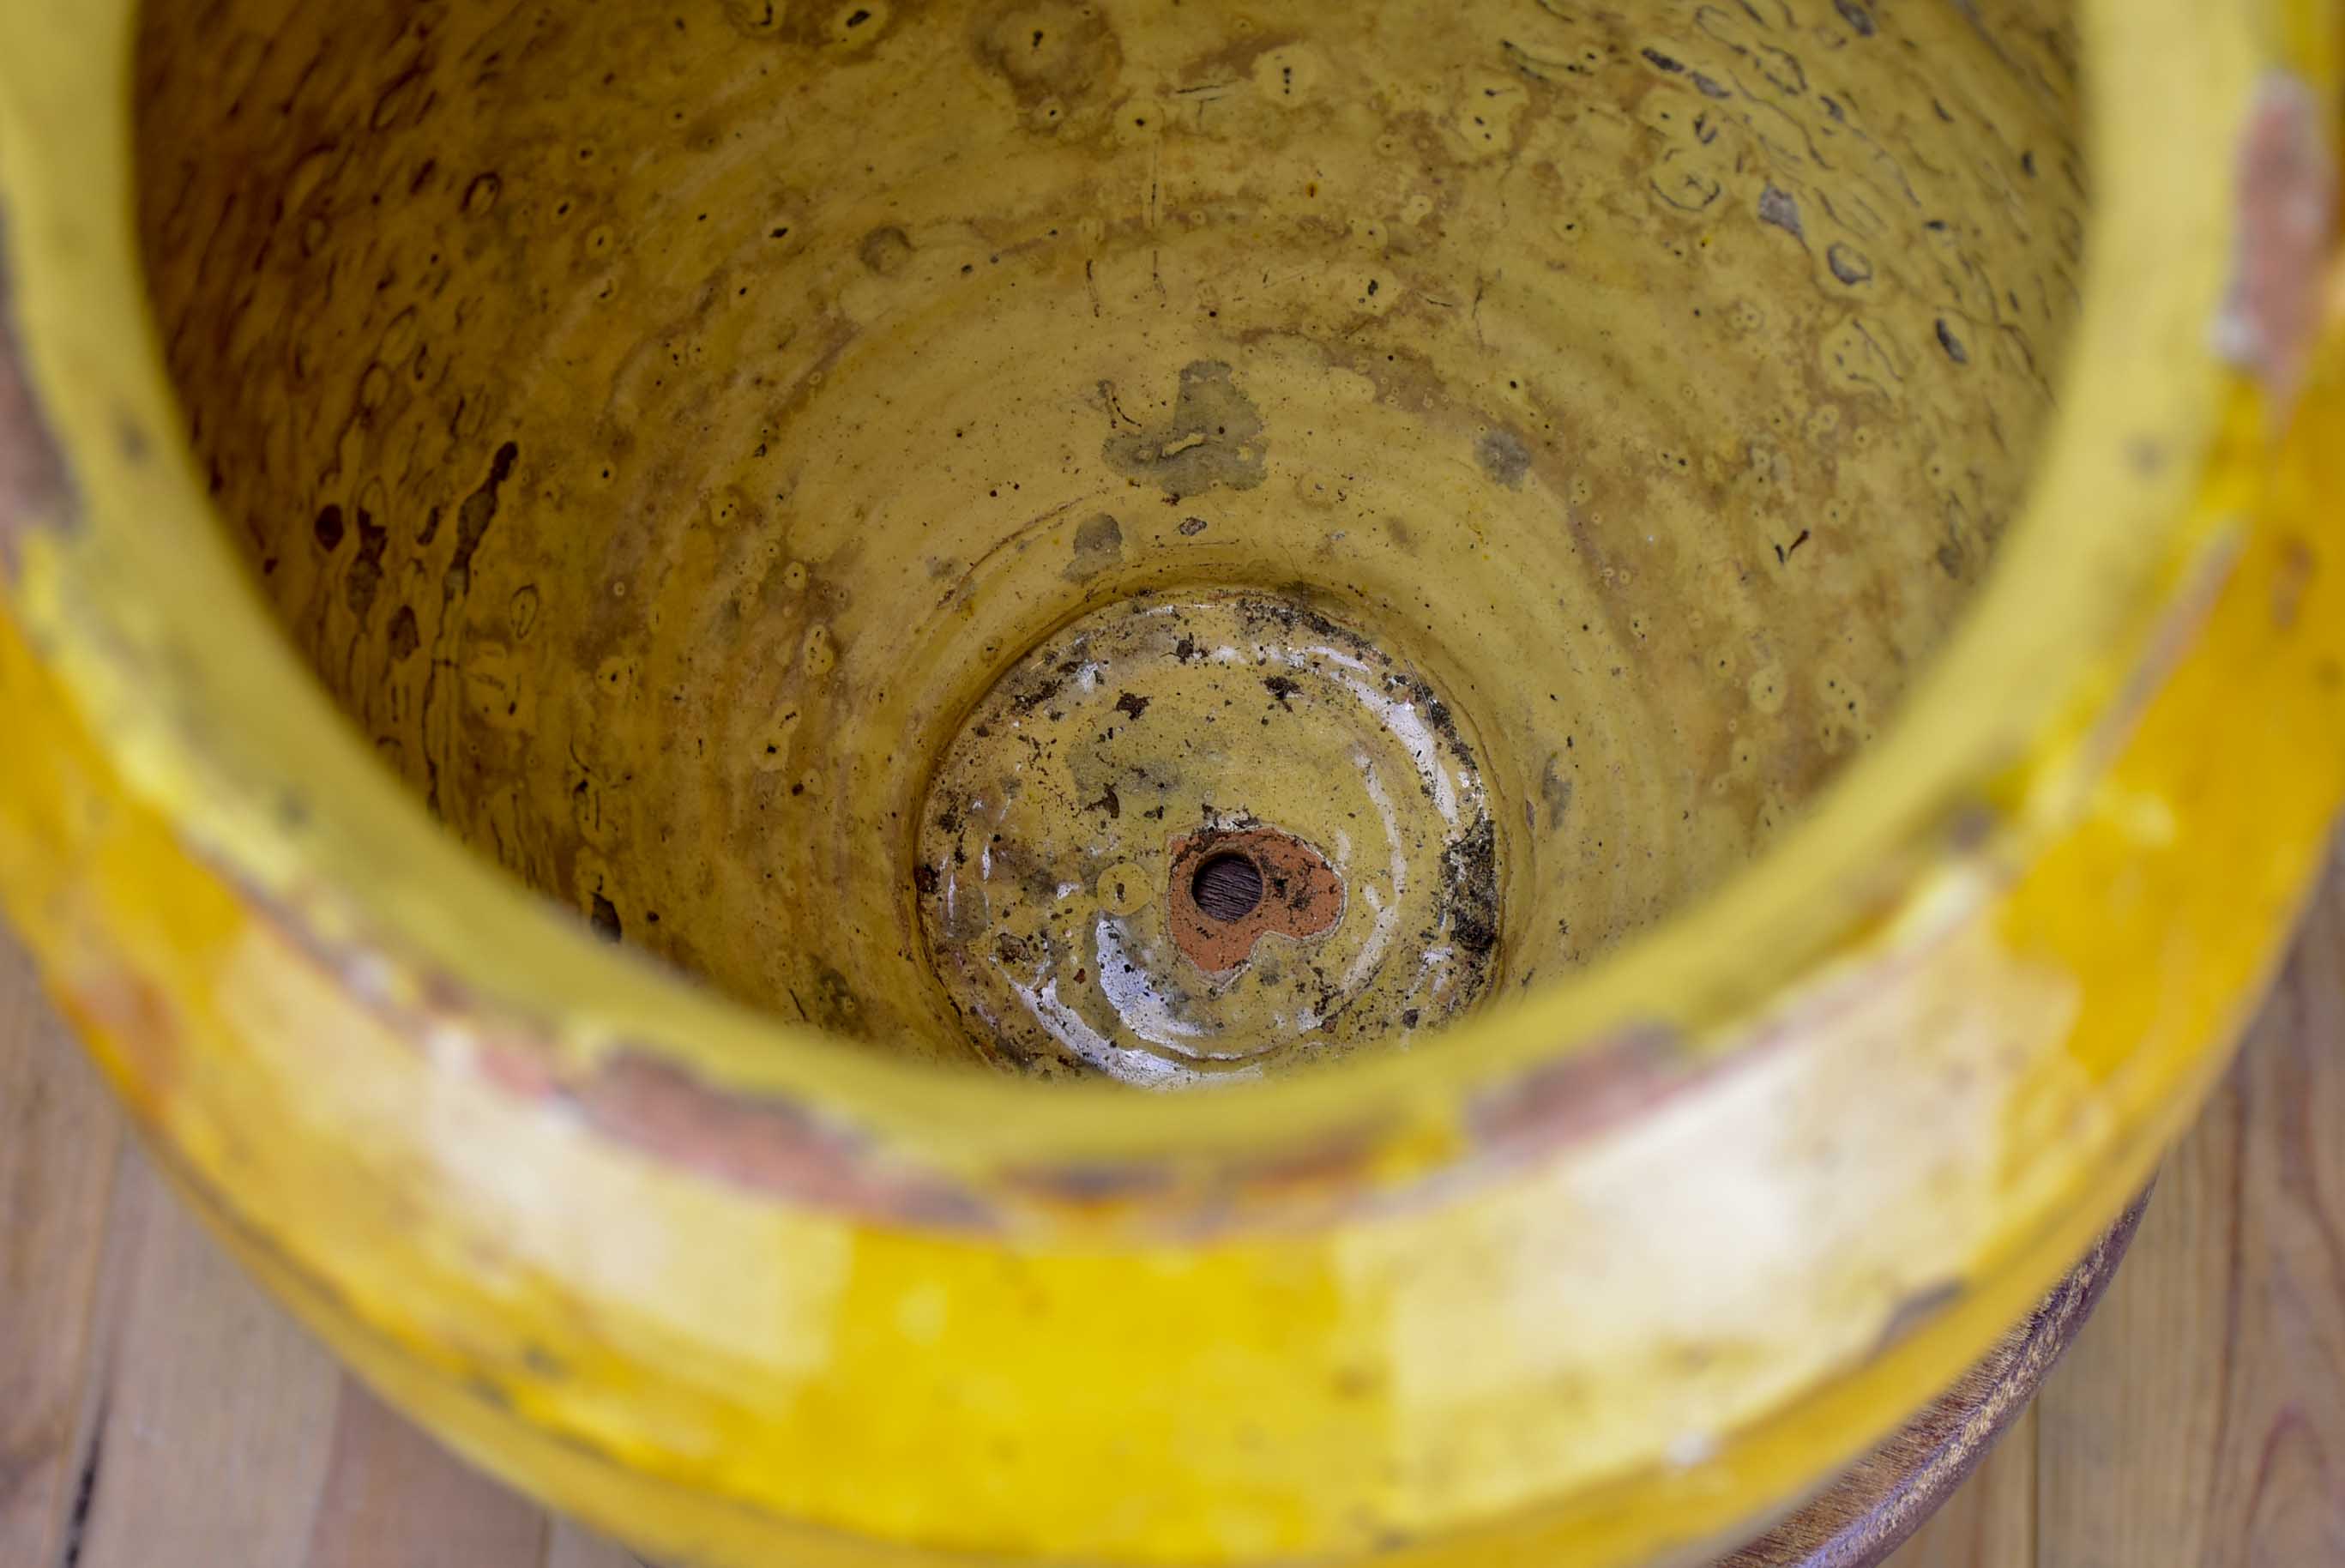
(157, 1411)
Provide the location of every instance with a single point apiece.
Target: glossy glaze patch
(1191, 837)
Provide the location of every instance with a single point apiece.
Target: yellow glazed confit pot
(1199, 783)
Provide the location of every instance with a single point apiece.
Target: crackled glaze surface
(659, 426)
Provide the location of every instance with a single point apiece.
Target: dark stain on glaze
(1054, 53)
(1214, 437)
(405, 637)
(1469, 870)
(1777, 206)
(1099, 546)
(365, 578)
(472, 520)
(1848, 264)
(886, 251)
(605, 918)
(1504, 456)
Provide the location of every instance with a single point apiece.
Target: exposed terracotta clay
(1299, 895)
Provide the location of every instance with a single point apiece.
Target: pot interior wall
(901, 510)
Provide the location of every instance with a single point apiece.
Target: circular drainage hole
(1227, 887)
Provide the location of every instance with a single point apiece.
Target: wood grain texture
(60, 1141)
(2199, 1423)
(1992, 1519)
(2219, 1375)
(155, 1410)
(196, 1394)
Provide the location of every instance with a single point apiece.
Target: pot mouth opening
(1211, 430)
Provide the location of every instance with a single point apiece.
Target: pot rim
(162, 635)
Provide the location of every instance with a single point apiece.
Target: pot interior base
(674, 432)
(1189, 836)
